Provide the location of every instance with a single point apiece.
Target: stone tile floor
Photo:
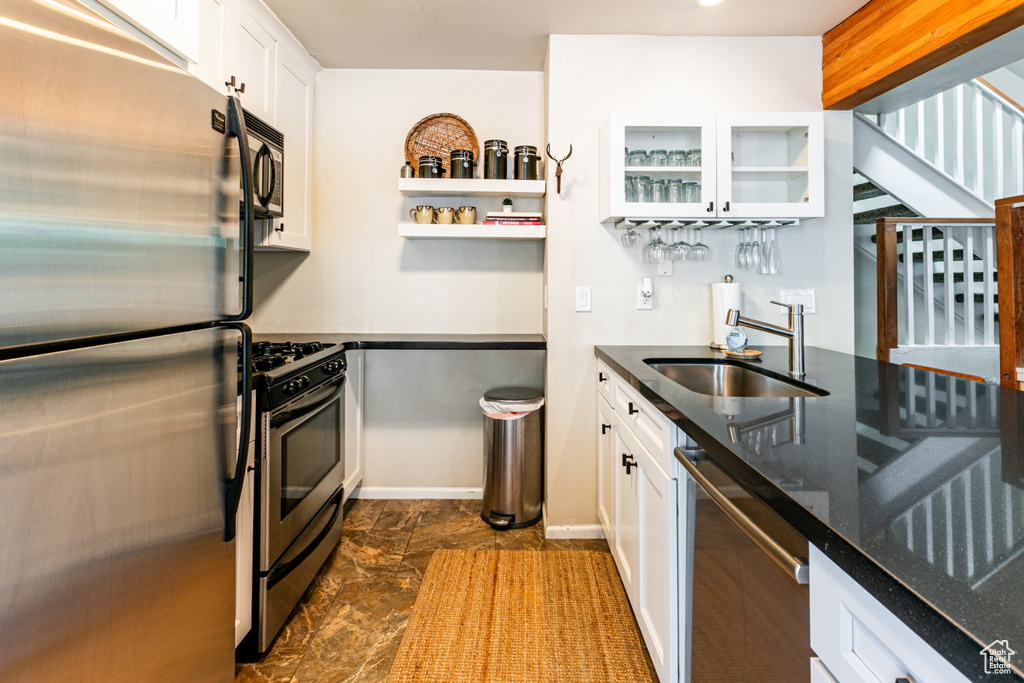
(349, 624)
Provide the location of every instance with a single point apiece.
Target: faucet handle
(798, 309)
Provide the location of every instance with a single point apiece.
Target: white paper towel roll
(724, 295)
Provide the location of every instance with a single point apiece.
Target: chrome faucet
(795, 333)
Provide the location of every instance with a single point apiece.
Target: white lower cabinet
(354, 382)
(606, 471)
(858, 640)
(637, 502)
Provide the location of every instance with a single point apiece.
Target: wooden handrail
(1010, 262)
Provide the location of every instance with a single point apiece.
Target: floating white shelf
(476, 231)
(420, 187)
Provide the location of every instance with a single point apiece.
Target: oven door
(304, 463)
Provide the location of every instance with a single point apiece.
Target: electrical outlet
(583, 299)
(807, 297)
(643, 302)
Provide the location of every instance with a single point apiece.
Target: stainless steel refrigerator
(124, 275)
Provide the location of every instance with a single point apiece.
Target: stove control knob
(332, 368)
(303, 382)
(290, 387)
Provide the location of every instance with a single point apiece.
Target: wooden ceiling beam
(886, 43)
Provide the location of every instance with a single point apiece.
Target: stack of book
(513, 218)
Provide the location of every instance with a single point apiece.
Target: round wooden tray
(437, 135)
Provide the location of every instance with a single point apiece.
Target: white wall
(590, 76)
(422, 421)
(360, 276)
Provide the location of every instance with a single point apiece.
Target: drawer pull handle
(605, 428)
(632, 410)
(628, 462)
(601, 377)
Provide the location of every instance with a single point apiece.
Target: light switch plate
(583, 299)
(807, 297)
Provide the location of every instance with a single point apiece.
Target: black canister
(430, 167)
(462, 164)
(525, 166)
(496, 159)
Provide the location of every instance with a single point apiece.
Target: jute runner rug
(521, 615)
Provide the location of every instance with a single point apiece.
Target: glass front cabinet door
(757, 165)
(771, 165)
(658, 166)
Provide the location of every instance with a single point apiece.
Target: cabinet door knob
(628, 462)
(605, 428)
(726, 207)
(711, 207)
(279, 228)
(601, 377)
(632, 410)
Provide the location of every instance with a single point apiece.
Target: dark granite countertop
(919, 497)
(438, 342)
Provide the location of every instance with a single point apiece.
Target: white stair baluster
(958, 155)
(947, 269)
(929, 286)
(940, 132)
(987, 238)
(969, 322)
(999, 161)
(908, 280)
(979, 143)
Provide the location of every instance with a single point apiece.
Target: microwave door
(118, 184)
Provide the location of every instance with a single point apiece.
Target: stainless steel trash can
(513, 457)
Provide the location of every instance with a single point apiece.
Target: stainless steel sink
(715, 377)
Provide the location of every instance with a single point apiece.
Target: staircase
(951, 155)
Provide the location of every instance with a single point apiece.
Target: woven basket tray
(437, 135)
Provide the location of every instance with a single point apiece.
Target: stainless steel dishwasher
(745, 586)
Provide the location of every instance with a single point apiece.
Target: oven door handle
(281, 571)
(793, 566)
(310, 403)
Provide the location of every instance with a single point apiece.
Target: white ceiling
(512, 35)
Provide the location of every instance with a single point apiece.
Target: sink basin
(715, 377)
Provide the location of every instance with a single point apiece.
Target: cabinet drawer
(858, 639)
(604, 381)
(655, 431)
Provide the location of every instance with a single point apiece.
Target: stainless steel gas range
(300, 468)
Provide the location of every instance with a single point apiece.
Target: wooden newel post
(888, 322)
(1010, 262)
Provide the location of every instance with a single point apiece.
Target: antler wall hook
(558, 167)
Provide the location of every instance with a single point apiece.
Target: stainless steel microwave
(266, 150)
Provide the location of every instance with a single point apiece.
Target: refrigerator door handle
(236, 129)
(233, 486)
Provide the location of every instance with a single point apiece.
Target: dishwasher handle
(793, 566)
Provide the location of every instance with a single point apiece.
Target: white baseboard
(415, 493)
(574, 531)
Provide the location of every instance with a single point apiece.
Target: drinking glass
(679, 250)
(700, 251)
(755, 252)
(659, 191)
(631, 237)
(654, 252)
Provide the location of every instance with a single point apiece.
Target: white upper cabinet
(242, 39)
(171, 26)
(664, 165)
(776, 165)
(294, 109)
(252, 61)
